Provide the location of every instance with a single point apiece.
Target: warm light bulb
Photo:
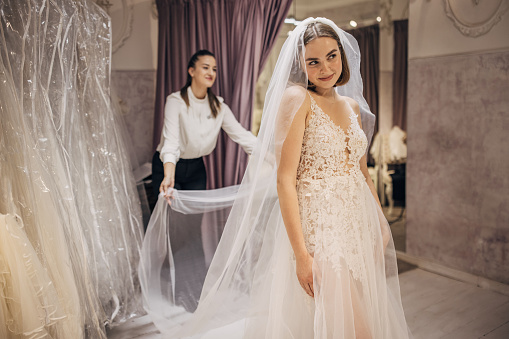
(353, 23)
(378, 19)
(292, 21)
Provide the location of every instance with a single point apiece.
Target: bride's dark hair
(314, 31)
(214, 103)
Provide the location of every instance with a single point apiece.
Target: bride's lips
(327, 78)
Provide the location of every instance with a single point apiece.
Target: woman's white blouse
(191, 132)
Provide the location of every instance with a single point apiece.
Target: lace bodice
(327, 150)
(332, 192)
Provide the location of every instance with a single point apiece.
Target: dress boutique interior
(82, 86)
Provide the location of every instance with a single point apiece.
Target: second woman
(193, 118)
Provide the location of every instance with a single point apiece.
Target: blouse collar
(194, 98)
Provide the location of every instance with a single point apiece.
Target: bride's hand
(304, 268)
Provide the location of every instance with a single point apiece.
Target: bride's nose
(325, 68)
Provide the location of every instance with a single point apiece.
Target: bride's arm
(364, 168)
(286, 187)
(363, 162)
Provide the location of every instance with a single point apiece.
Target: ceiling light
(353, 23)
(292, 21)
(378, 19)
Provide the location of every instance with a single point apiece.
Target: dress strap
(314, 105)
(313, 102)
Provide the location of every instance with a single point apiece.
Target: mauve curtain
(399, 75)
(241, 34)
(369, 42)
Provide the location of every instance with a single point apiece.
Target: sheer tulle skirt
(256, 293)
(355, 282)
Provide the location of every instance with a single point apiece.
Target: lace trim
(327, 150)
(335, 222)
(330, 188)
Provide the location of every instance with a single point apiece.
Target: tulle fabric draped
(357, 291)
(250, 288)
(66, 186)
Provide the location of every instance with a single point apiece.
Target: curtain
(369, 42)
(399, 75)
(241, 34)
(368, 39)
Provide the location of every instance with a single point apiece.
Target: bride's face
(323, 62)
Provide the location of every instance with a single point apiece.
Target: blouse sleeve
(170, 152)
(236, 132)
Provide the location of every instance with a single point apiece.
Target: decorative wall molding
(121, 31)
(474, 18)
(385, 13)
(155, 13)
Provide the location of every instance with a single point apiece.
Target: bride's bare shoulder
(352, 102)
(295, 95)
(295, 92)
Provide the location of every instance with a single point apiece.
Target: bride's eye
(312, 63)
(332, 56)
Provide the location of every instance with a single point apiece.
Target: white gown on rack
(70, 240)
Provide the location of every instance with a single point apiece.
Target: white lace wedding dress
(251, 290)
(356, 285)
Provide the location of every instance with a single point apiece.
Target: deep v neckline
(346, 131)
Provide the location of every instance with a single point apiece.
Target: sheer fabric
(33, 306)
(72, 230)
(250, 288)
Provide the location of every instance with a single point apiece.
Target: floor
(439, 307)
(436, 307)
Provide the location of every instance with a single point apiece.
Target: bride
(306, 251)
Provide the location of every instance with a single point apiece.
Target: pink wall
(458, 162)
(136, 89)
